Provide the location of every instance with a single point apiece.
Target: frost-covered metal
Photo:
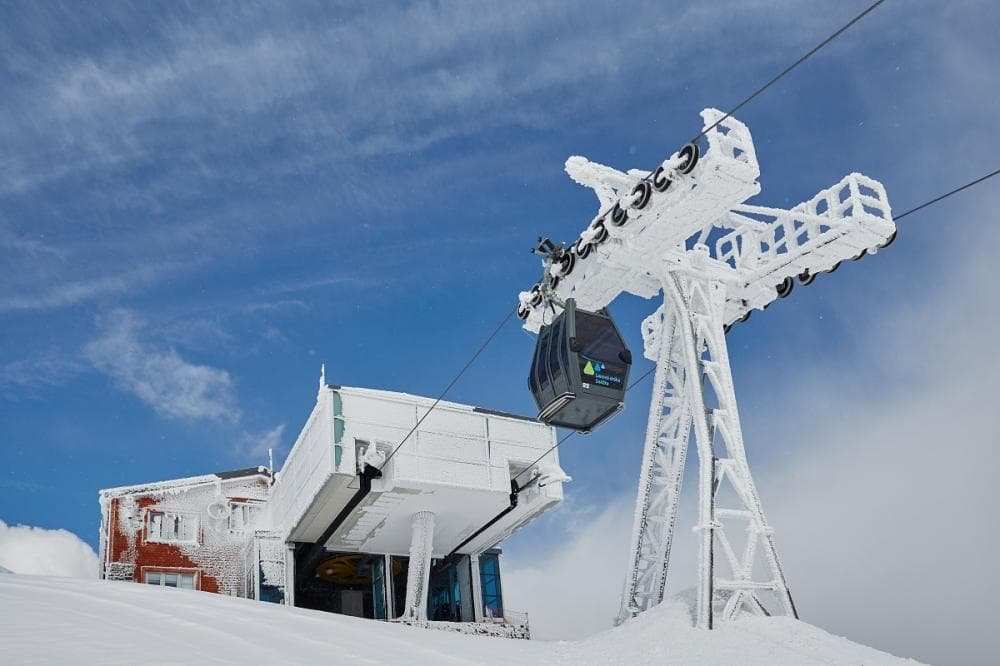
(686, 230)
(421, 548)
(457, 464)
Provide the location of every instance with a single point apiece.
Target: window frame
(236, 505)
(150, 538)
(162, 572)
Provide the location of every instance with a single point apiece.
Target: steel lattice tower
(686, 231)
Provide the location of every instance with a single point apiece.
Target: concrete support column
(477, 587)
(418, 575)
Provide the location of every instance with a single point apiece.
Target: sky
(200, 204)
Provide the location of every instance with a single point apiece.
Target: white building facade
(359, 524)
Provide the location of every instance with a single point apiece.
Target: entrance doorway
(345, 583)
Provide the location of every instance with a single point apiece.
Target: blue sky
(200, 204)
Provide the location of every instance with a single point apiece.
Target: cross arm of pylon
(648, 219)
(767, 248)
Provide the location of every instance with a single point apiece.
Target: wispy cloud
(255, 446)
(28, 375)
(375, 111)
(73, 292)
(160, 377)
(354, 280)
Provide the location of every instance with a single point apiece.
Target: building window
(489, 578)
(170, 527)
(170, 579)
(241, 517)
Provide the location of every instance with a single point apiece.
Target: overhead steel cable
(899, 217)
(570, 434)
(895, 218)
(757, 92)
(443, 393)
(767, 85)
(516, 490)
(788, 69)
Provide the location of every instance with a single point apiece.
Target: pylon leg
(662, 471)
(686, 339)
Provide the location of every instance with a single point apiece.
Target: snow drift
(73, 621)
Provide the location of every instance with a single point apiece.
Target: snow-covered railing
(769, 245)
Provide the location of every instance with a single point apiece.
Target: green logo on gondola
(592, 367)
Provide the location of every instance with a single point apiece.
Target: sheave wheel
(690, 153)
(660, 180)
(645, 191)
(618, 216)
(785, 288)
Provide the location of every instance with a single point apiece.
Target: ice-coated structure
(685, 230)
(348, 525)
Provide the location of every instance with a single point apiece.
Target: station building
(347, 525)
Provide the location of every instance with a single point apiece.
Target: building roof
(419, 399)
(187, 482)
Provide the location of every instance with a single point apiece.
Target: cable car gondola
(580, 369)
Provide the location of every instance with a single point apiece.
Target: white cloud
(28, 375)
(254, 446)
(38, 551)
(172, 386)
(573, 591)
(48, 295)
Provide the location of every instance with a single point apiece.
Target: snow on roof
(422, 400)
(187, 482)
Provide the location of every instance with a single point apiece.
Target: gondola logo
(592, 367)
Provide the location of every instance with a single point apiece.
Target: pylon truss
(686, 230)
(693, 391)
(756, 248)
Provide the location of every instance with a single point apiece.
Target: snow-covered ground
(70, 621)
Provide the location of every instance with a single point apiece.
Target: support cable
(461, 372)
(767, 85)
(570, 434)
(788, 69)
(736, 108)
(897, 218)
(516, 490)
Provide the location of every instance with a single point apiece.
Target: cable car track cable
(788, 69)
(454, 380)
(757, 92)
(570, 434)
(517, 490)
(602, 214)
(899, 217)
(895, 218)
(728, 114)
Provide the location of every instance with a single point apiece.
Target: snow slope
(71, 621)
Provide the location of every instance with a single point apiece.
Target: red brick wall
(159, 555)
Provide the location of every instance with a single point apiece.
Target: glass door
(378, 588)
